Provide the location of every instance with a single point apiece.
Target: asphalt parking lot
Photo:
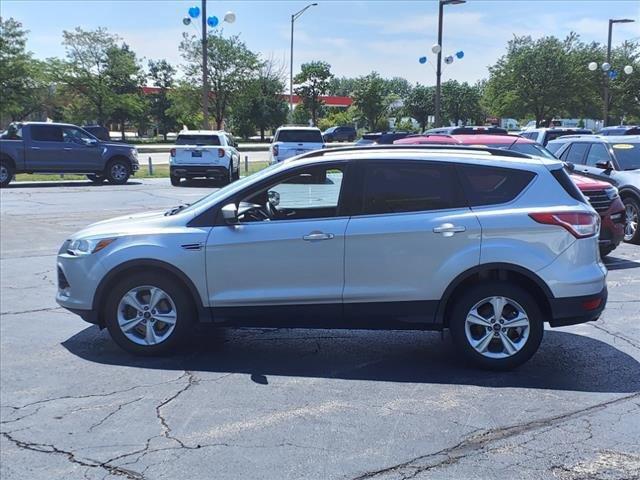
(287, 404)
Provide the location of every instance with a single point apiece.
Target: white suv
(291, 141)
(487, 243)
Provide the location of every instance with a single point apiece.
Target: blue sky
(355, 37)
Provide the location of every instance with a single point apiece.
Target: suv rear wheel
(118, 172)
(632, 214)
(148, 314)
(6, 173)
(496, 325)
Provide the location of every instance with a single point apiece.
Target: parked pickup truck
(204, 153)
(32, 147)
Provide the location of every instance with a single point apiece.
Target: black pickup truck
(33, 147)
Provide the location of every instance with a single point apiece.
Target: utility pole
(205, 82)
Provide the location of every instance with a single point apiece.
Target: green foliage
(461, 102)
(373, 99)
(231, 65)
(420, 104)
(162, 75)
(312, 82)
(340, 117)
(185, 105)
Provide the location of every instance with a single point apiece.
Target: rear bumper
(209, 171)
(574, 310)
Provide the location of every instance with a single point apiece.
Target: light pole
(194, 12)
(441, 5)
(605, 107)
(294, 17)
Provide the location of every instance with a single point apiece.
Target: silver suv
(487, 243)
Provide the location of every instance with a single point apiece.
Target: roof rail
(365, 148)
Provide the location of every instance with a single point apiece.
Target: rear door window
(575, 153)
(409, 187)
(492, 185)
(46, 133)
(299, 136)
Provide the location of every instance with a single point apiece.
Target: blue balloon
(422, 59)
(613, 74)
(194, 12)
(212, 21)
(460, 54)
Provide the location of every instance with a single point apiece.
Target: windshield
(299, 136)
(198, 140)
(225, 191)
(628, 155)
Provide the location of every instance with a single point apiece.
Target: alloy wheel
(4, 173)
(497, 327)
(147, 315)
(118, 172)
(630, 221)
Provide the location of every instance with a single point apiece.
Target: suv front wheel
(148, 314)
(118, 172)
(632, 215)
(496, 325)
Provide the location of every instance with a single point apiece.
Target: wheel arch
(118, 156)
(628, 191)
(496, 272)
(146, 265)
(5, 157)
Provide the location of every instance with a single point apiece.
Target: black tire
(604, 251)
(175, 181)
(97, 179)
(118, 171)
(632, 212)
(236, 175)
(185, 310)
(229, 178)
(6, 173)
(469, 298)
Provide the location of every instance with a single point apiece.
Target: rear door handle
(448, 229)
(35, 148)
(67, 148)
(315, 236)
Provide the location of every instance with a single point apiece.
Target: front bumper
(612, 225)
(209, 171)
(574, 310)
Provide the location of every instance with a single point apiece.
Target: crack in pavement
(112, 413)
(36, 310)
(615, 335)
(478, 442)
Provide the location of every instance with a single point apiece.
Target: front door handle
(448, 229)
(315, 236)
(67, 148)
(35, 148)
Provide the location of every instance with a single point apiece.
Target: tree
(341, 86)
(532, 78)
(231, 65)
(185, 105)
(313, 82)
(268, 110)
(461, 102)
(161, 74)
(373, 99)
(420, 104)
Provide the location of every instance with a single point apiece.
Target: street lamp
(194, 12)
(294, 17)
(438, 50)
(605, 108)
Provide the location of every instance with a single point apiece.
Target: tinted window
(299, 136)
(46, 133)
(569, 186)
(490, 185)
(575, 153)
(76, 135)
(597, 153)
(531, 149)
(186, 139)
(409, 187)
(628, 155)
(554, 147)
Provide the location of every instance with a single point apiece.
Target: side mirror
(605, 165)
(569, 166)
(230, 213)
(91, 143)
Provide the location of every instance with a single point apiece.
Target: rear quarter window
(299, 136)
(492, 185)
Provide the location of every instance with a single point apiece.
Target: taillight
(172, 152)
(274, 149)
(221, 152)
(578, 224)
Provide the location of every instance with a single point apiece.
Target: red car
(602, 196)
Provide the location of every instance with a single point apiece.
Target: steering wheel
(271, 211)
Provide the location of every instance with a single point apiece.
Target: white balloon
(229, 17)
(606, 66)
(448, 60)
(628, 69)
(593, 66)
(436, 48)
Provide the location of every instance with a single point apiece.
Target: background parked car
(602, 196)
(36, 147)
(545, 135)
(621, 130)
(291, 141)
(469, 130)
(614, 159)
(339, 134)
(381, 138)
(204, 153)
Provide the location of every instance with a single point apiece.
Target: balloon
(613, 74)
(186, 20)
(460, 54)
(628, 69)
(593, 66)
(436, 48)
(606, 66)
(422, 59)
(448, 60)
(229, 17)
(194, 12)
(212, 21)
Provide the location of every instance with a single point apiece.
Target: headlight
(82, 246)
(612, 193)
(134, 153)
